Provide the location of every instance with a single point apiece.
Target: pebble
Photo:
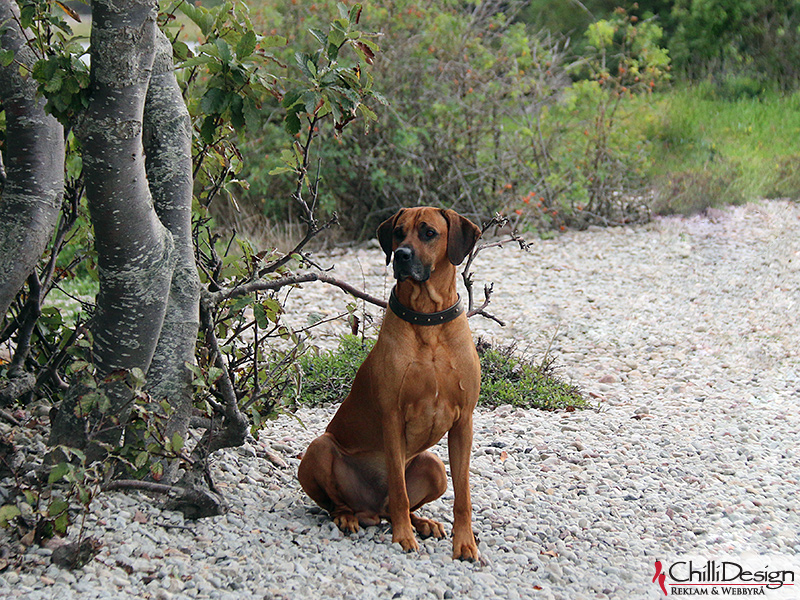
(688, 352)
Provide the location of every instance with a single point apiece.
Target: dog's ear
(461, 236)
(385, 232)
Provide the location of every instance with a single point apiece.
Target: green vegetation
(711, 152)
(554, 114)
(510, 377)
(507, 377)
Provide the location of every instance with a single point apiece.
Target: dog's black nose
(403, 254)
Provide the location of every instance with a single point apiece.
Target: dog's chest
(436, 399)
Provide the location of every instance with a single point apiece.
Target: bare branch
(276, 284)
(194, 502)
(10, 418)
(481, 310)
(311, 233)
(497, 221)
(232, 431)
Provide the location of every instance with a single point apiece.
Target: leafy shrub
(328, 375)
(757, 40)
(507, 377)
(483, 117)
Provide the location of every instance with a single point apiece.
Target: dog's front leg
(459, 445)
(399, 507)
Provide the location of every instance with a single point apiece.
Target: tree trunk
(168, 146)
(34, 158)
(135, 251)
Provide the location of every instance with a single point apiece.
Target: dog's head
(423, 237)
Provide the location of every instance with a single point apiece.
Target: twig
(311, 233)
(50, 370)
(235, 423)
(33, 311)
(4, 414)
(193, 501)
(487, 293)
(216, 298)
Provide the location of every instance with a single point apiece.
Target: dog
(420, 381)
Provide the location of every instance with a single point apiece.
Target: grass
(508, 377)
(710, 151)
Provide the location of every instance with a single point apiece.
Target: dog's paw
(464, 547)
(407, 541)
(346, 522)
(427, 527)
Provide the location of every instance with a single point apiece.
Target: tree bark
(135, 251)
(34, 159)
(168, 147)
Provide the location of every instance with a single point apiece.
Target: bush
(328, 375)
(482, 117)
(507, 377)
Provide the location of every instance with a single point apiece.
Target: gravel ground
(684, 333)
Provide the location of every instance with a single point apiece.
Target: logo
(660, 577)
(751, 576)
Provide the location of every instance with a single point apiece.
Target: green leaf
(337, 35)
(57, 472)
(601, 34)
(273, 41)
(355, 14)
(57, 507)
(252, 114)
(237, 113)
(260, 313)
(319, 36)
(367, 112)
(333, 52)
(136, 378)
(214, 101)
(306, 64)
(201, 16)
(279, 170)
(291, 98)
(157, 471)
(6, 57)
(26, 14)
(224, 50)
(292, 123)
(74, 167)
(61, 523)
(177, 442)
(273, 306)
(8, 512)
(141, 459)
(246, 45)
(84, 495)
(180, 50)
(208, 129)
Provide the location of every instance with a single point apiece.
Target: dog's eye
(430, 234)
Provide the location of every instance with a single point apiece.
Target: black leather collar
(418, 318)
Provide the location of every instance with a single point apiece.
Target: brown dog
(420, 381)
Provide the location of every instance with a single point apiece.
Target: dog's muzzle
(408, 266)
